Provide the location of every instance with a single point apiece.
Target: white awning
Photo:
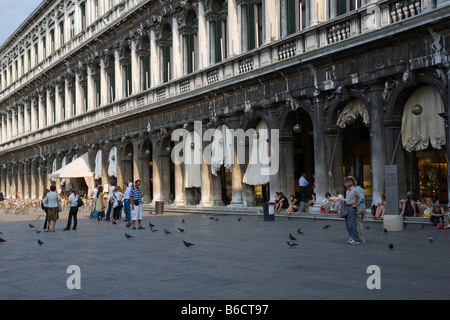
(78, 168)
(418, 131)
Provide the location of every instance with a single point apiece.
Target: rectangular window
(29, 59)
(83, 15)
(145, 71)
(22, 65)
(52, 41)
(291, 16)
(44, 48)
(36, 54)
(72, 27)
(166, 63)
(112, 87)
(128, 80)
(220, 39)
(97, 93)
(191, 41)
(61, 33)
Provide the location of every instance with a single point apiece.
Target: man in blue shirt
(302, 183)
(136, 204)
(360, 211)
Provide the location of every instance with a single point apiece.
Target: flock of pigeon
(153, 229)
(187, 244)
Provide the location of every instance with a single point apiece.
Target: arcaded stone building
(114, 79)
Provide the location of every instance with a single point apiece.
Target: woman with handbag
(100, 205)
(118, 204)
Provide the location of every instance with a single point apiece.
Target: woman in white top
(73, 202)
(117, 197)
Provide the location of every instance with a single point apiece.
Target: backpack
(80, 202)
(342, 209)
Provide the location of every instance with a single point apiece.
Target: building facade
(350, 86)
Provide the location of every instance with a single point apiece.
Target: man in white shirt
(112, 187)
(126, 201)
(94, 202)
(303, 183)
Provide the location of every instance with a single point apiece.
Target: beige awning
(78, 168)
(418, 131)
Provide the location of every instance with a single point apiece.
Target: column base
(393, 222)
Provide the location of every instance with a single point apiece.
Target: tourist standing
(52, 199)
(44, 207)
(360, 211)
(94, 202)
(73, 205)
(100, 205)
(353, 198)
(127, 201)
(136, 204)
(112, 186)
(117, 204)
(303, 183)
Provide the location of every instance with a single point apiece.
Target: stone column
(206, 181)
(118, 74)
(175, 63)
(203, 44)
(161, 173)
(26, 180)
(320, 165)
(236, 174)
(377, 142)
(154, 61)
(233, 25)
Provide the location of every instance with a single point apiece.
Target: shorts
(136, 213)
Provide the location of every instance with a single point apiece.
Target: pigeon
(299, 231)
(187, 244)
(291, 244)
(2, 240)
(211, 218)
(216, 219)
(182, 220)
(128, 236)
(31, 226)
(167, 231)
(182, 230)
(391, 246)
(385, 230)
(239, 219)
(40, 243)
(326, 226)
(153, 229)
(430, 238)
(128, 224)
(367, 227)
(151, 225)
(292, 237)
(38, 231)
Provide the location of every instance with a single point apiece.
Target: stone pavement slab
(230, 260)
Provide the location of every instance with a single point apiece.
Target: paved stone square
(230, 259)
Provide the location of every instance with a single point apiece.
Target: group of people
(413, 206)
(130, 201)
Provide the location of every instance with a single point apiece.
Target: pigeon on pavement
(291, 244)
(40, 243)
(187, 244)
(128, 236)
